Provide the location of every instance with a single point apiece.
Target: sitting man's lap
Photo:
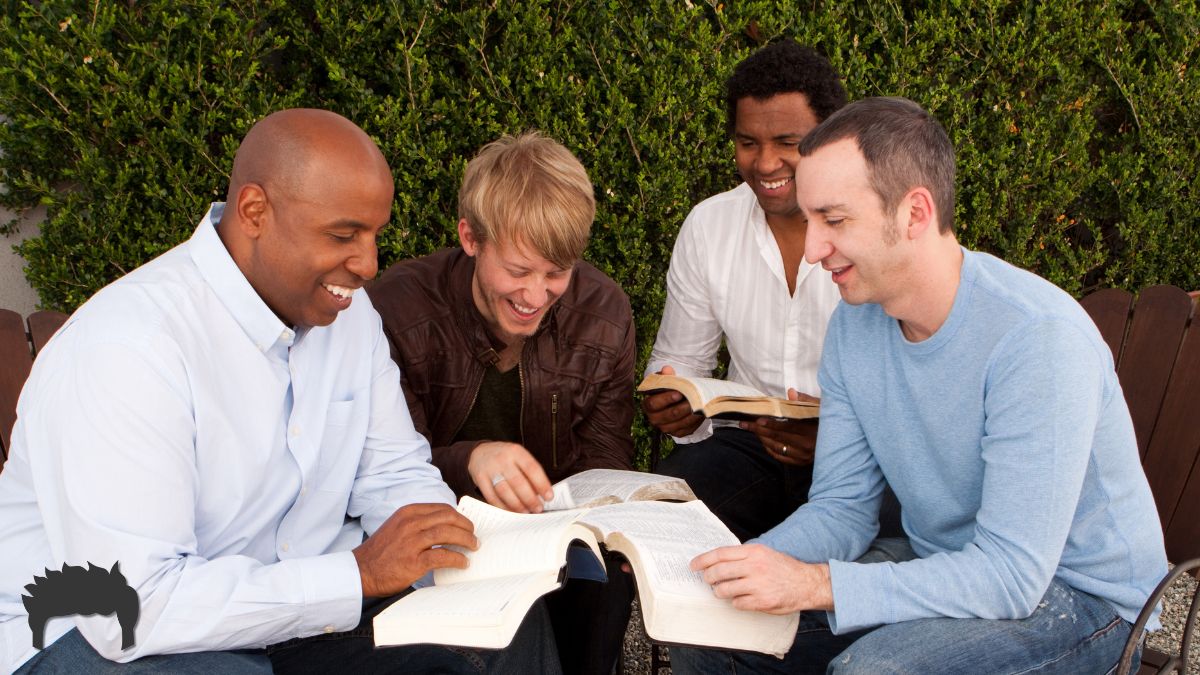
(1069, 632)
(739, 482)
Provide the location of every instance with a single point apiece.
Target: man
(987, 399)
(222, 423)
(737, 272)
(517, 358)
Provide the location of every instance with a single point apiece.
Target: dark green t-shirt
(496, 413)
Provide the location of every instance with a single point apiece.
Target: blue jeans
(71, 654)
(532, 651)
(1070, 632)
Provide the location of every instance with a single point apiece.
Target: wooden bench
(20, 341)
(1156, 347)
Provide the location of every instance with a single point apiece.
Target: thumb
(792, 394)
(667, 370)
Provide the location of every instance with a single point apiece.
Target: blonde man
(517, 357)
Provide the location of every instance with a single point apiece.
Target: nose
(817, 246)
(768, 160)
(365, 262)
(537, 291)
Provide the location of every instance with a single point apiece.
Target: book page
(710, 388)
(707, 388)
(471, 603)
(596, 487)
(509, 543)
(667, 537)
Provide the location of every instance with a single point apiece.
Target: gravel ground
(1175, 606)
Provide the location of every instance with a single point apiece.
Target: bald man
(220, 429)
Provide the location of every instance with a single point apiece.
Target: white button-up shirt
(229, 463)
(726, 280)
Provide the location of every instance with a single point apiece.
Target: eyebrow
(351, 224)
(829, 207)
(778, 137)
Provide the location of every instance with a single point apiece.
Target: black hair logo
(76, 590)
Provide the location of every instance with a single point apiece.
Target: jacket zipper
(554, 429)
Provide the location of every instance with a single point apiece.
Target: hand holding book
(509, 477)
(787, 440)
(669, 410)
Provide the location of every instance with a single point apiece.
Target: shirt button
(303, 490)
(328, 629)
(285, 547)
(294, 430)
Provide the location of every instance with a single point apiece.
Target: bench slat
(1159, 319)
(1110, 309)
(15, 361)
(1172, 462)
(43, 325)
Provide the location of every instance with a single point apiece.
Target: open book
(523, 556)
(729, 400)
(597, 487)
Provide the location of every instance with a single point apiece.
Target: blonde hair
(529, 190)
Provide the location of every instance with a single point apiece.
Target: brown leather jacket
(576, 372)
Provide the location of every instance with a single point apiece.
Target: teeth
(340, 291)
(774, 184)
(523, 309)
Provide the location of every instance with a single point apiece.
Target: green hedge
(1079, 153)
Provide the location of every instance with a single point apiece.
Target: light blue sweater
(1005, 436)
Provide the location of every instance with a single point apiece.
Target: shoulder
(720, 210)
(149, 315)
(411, 290)
(596, 305)
(164, 295)
(1004, 292)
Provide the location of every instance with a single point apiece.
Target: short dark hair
(904, 146)
(783, 67)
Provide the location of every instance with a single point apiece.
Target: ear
(466, 236)
(922, 213)
(253, 209)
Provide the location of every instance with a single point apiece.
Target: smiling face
(318, 248)
(848, 232)
(308, 194)
(513, 286)
(766, 136)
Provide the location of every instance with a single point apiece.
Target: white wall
(15, 293)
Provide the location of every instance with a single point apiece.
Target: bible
(729, 400)
(523, 556)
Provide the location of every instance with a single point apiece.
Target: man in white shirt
(738, 273)
(224, 425)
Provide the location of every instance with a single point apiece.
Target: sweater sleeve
(1043, 395)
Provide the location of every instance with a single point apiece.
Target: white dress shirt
(229, 463)
(726, 280)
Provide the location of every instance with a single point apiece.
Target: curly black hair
(783, 67)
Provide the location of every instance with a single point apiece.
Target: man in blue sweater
(986, 398)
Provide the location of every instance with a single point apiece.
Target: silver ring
(783, 450)
(498, 479)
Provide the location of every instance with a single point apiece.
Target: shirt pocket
(342, 442)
